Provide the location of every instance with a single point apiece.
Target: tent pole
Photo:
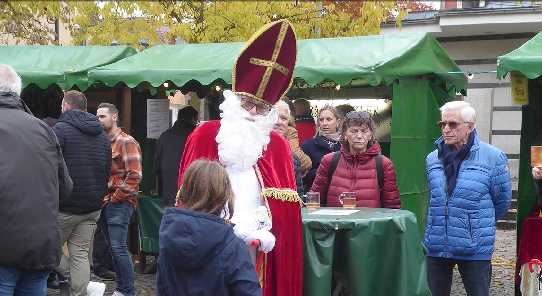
(127, 109)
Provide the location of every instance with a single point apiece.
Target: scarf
(331, 139)
(451, 159)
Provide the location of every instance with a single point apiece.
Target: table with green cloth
(149, 217)
(369, 252)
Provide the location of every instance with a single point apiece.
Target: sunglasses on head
(450, 124)
(355, 114)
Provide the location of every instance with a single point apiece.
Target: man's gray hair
(282, 103)
(467, 112)
(10, 80)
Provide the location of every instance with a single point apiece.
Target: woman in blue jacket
(199, 252)
(326, 141)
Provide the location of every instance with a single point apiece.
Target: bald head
(9, 80)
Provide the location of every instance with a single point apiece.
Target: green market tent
(375, 59)
(66, 66)
(527, 59)
(414, 65)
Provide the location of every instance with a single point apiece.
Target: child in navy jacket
(199, 252)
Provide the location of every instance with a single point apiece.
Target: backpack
(379, 172)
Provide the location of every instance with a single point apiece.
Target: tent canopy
(66, 66)
(527, 59)
(375, 59)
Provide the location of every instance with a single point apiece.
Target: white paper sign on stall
(157, 117)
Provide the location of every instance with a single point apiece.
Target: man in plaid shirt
(120, 198)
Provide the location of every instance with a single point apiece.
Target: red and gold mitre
(265, 66)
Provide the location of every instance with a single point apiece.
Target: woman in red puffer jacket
(356, 169)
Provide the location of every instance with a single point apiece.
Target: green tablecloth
(372, 252)
(149, 217)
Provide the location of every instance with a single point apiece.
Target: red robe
(283, 266)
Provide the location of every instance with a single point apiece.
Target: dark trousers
(476, 275)
(101, 257)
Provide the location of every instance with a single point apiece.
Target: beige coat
(293, 139)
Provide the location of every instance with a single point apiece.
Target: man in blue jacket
(87, 152)
(469, 181)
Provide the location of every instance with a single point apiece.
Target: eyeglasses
(450, 124)
(248, 104)
(355, 115)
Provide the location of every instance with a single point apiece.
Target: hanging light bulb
(218, 88)
(166, 84)
(337, 87)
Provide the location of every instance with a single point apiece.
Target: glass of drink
(312, 200)
(348, 200)
(536, 156)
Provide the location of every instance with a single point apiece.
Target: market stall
(524, 65)
(44, 67)
(415, 66)
(66, 66)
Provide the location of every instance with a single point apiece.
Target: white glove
(246, 223)
(266, 238)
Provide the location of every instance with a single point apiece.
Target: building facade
(474, 34)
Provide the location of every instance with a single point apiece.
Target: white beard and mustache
(241, 142)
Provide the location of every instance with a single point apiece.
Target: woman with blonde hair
(199, 252)
(325, 141)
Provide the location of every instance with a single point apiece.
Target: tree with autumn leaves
(170, 22)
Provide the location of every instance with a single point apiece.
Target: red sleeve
(277, 166)
(390, 192)
(320, 183)
(200, 144)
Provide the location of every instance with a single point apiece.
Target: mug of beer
(348, 200)
(312, 200)
(536, 156)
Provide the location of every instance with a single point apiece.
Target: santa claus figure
(259, 162)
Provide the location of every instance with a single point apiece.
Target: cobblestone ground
(502, 282)
(145, 283)
(504, 265)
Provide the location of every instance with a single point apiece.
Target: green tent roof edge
(113, 73)
(526, 59)
(45, 65)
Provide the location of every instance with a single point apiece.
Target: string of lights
(470, 74)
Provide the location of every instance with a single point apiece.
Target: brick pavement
(502, 282)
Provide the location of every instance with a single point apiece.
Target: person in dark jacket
(199, 252)
(325, 141)
(87, 153)
(356, 169)
(169, 151)
(280, 127)
(298, 179)
(33, 178)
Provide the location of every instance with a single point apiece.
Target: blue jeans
(476, 275)
(23, 282)
(113, 224)
(102, 260)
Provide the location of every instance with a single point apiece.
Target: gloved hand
(266, 238)
(246, 223)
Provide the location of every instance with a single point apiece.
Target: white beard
(241, 141)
